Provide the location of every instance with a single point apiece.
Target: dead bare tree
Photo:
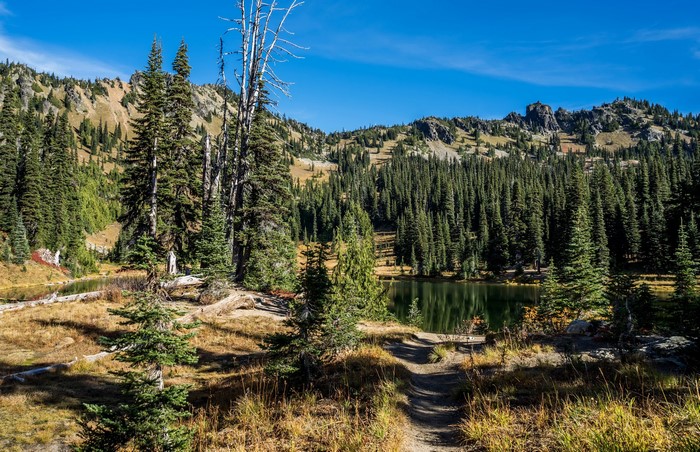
(261, 26)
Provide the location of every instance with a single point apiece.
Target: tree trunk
(206, 174)
(153, 214)
(171, 263)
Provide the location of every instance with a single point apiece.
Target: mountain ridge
(108, 104)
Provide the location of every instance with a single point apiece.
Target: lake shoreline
(528, 279)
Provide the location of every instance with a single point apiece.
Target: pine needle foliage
(147, 416)
(212, 249)
(298, 354)
(687, 306)
(353, 277)
(20, 245)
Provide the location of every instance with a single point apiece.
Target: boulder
(666, 346)
(579, 327)
(650, 134)
(74, 97)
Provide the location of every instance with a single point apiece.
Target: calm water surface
(445, 303)
(40, 291)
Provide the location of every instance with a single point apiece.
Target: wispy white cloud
(595, 61)
(670, 34)
(50, 58)
(54, 60)
(545, 63)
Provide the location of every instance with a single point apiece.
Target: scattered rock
(603, 354)
(579, 327)
(515, 118)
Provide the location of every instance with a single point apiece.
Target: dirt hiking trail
(434, 406)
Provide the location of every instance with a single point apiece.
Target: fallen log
(22, 376)
(50, 300)
(236, 300)
(182, 281)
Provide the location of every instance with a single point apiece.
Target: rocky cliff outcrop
(540, 118)
(433, 130)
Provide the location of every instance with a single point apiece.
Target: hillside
(100, 112)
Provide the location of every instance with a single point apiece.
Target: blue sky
(390, 61)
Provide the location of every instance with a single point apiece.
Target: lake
(38, 292)
(445, 304)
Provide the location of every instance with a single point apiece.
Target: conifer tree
(269, 254)
(9, 131)
(145, 418)
(599, 236)
(30, 181)
(582, 280)
(553, 302)
(58, 190)
(684, 286)
(694, 240)
(353, 276)
(20, 244)
(656, 242)
(498, 257)
(685, 297)
(140, 178)
(212, 247)
(300, 351)
(534, 245)
(517, 229)
(181, 176)
(631, 226)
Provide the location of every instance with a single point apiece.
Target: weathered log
(21, 376)
(50, 300)
(182, 281)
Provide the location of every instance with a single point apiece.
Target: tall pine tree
(140, 179)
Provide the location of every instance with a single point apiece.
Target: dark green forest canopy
(512, 211)
(48, 199)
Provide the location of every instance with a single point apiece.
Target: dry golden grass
(29, 274)
(23, 425)
(107, 237)
(302, 170)
(53, 334)
(569, 144)
(495, 141)
(384, 332)
(235, 403)
(542, 404)
(381, 156)
(356, 406)
(613, 141)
